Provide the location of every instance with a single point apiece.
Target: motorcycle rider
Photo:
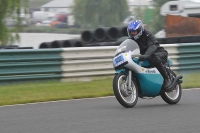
(150, 49)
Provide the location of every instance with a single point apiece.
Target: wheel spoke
(173, 95)
(128, 95)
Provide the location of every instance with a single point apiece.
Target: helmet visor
(133, 33)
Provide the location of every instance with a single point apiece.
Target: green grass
(191, 80)
(55, 90)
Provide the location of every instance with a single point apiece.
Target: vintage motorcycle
(135, 78)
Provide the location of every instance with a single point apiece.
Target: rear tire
(174, 96)
(126, 97)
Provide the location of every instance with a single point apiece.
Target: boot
(167, 82)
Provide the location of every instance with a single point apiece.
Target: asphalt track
(104, 115)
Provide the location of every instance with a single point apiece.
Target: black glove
(143, 57)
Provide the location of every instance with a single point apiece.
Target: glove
(143, 57)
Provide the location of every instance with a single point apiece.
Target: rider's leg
(167, 82)
(158, 60)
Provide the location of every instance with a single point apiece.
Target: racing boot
(167, 82)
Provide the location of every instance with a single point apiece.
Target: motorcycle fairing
(150, 84)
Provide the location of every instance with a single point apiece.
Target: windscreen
(128, 45)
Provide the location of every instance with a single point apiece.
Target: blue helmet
(135, 25)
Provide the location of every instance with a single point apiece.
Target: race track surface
(104, 115)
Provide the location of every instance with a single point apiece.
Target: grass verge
(54, 90)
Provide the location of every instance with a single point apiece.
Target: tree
(10, 9)
(158, 21)
(94, 13)
(139, 13)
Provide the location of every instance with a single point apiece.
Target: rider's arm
(151, 50)
(152, 43)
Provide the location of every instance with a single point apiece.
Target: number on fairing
(118, 60)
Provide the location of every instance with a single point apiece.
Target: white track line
(75, 99)
(56, 101)
(190, 89)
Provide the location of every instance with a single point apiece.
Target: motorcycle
(135, 78)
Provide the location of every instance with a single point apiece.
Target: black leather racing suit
(150, 46)
(157, 54)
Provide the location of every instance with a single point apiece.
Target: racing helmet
(135, 29)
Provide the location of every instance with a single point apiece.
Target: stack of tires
(111, 36)
(104, 36)
(62, 44)
(182, 39)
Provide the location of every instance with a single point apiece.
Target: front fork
(128, 80)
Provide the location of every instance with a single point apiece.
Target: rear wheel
(174, 96)
(127, 97)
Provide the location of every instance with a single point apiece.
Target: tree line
(88, 13)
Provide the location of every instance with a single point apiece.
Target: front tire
(126, 97)
(174, 96)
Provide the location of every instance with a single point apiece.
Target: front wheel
(127, 97)
(174, 96)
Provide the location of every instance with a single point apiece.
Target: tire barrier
(91, 38)
(190, 39)
(161, 40)
(101, 44)
(116, 32)
(183, 39)
(57, 44)
(100, 34)
(73, 43)
(113, 33)
(123, 31)
(172, 40)
(112, 36)
(45, 45)
(103, 34)
(120, 40)
(62, 44)
(87, 36)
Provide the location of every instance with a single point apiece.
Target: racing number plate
(119, 60)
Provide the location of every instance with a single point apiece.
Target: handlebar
(133, 56)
